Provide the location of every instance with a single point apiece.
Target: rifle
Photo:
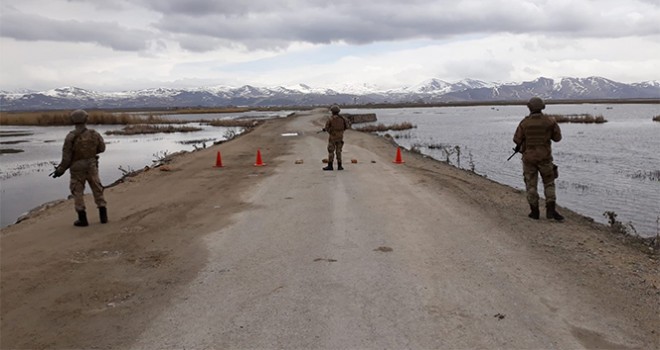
(515, 150)
(320, 131)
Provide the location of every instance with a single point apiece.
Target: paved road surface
(373, 257)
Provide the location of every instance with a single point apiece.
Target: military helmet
(79, 116)
(536, 104)
(335, 109)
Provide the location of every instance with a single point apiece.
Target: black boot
(534, 211)
(82, 219)
(329, 167)
(551, 212)
(339, 167)
(103, 214)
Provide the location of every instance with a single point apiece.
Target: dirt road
(380, 255)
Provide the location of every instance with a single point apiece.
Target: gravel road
(381, 255)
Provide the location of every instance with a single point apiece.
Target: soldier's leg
(97, 191)
(339, 146)
(77, 187)
(331, 152)
(96, 187)
(331, 155)
(548, 177)
(530, 173)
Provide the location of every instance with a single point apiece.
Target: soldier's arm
(327, 126)
(519, 135)
(100, 148)
(556, 132)
(67, 153)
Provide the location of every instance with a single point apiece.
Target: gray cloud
(254, 23)
(28, 27)
(204, 25)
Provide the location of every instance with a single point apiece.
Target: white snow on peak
(357, 89)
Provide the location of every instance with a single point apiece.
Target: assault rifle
(515, 150)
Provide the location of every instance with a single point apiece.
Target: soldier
(335, 127)
(533, 139)
(79, 155)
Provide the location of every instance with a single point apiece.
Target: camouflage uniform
(335, 127)
(534, 135)
(79, 155)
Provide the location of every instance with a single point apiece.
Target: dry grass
(578, 118)
(62, 118)
(656, 118)
(151, 129)
(382, 127)
(244, 123)
(207, 110)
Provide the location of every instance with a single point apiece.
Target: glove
(517, 149)
(57, 173)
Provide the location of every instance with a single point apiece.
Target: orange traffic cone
(218, 161)
(259, 161)
(398, 159)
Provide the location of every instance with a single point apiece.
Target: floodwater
(613, 166)
(25, 183)
(603, 167)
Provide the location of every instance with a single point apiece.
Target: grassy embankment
(382, 127)
(578, 118)
(134, 124)
(58, 118)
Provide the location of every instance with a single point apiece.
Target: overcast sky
(118, 45)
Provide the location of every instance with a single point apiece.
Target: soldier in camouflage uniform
(533, 139)
(335, 127)
(79, 155)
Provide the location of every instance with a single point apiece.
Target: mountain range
(432, 91)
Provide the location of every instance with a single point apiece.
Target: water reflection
(24, 176)
(604, 167)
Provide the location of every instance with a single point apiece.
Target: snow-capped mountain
(429, 91)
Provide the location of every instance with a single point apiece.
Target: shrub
(380, 127)
(95, 117)
(244, 123)
(151, 129)
(578, 118)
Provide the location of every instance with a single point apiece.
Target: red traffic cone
(259, 161)
(218, 161)
(398, 159)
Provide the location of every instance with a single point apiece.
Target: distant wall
(360, 118)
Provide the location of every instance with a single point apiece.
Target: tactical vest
(85, 145)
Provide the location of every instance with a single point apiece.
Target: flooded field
(29, 154)
(613, 166)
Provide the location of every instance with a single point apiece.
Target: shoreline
(113, 285)
(204, 110)
(618, 229)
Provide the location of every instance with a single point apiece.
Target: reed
(382, 127)
(578, 118)
(95, 117)
(206, 110)
(151, 129)
(243, 123)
